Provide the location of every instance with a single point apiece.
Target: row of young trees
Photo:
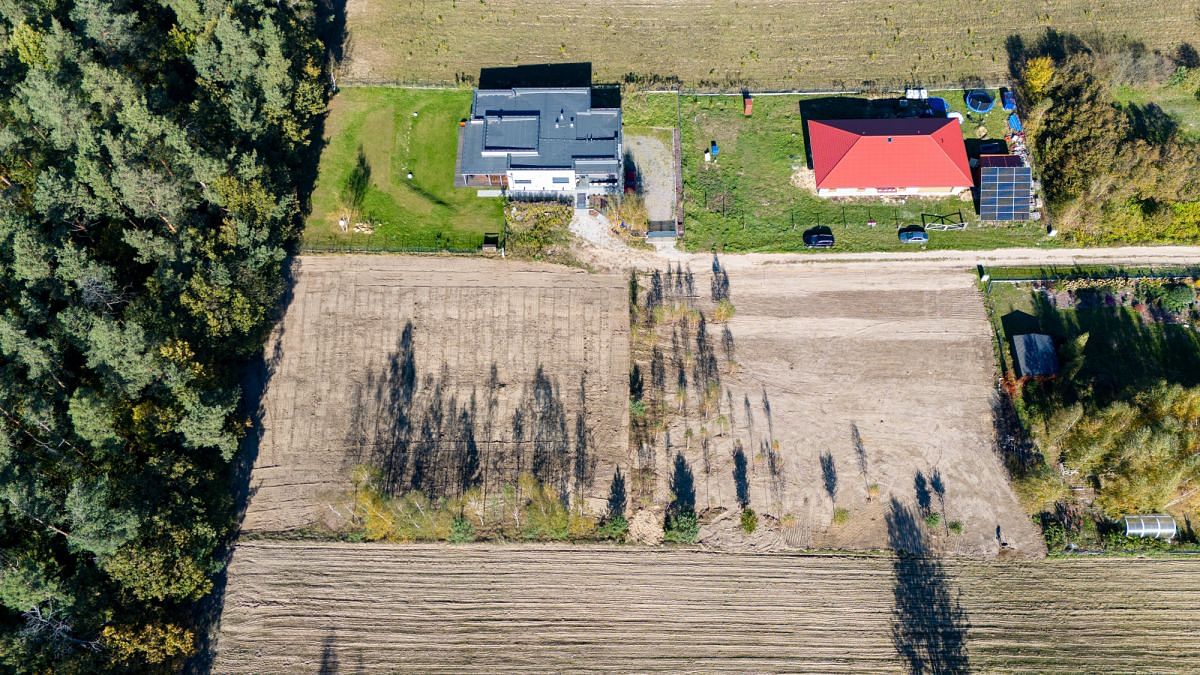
(152, 167)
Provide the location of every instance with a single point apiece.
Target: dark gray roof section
(1035, 355)
(515, 133)
(540, 129)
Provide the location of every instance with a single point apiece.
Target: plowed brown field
(421, 366)
(298, 607)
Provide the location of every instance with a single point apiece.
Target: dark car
(913, 237)
(818, 239)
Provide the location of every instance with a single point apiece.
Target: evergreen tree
(152, 173)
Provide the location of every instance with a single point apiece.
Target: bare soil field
(732, 43)
(443, 373)
(843, 386)
(330, 608)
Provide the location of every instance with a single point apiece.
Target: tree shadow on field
(329, 657)
(357, 183)
(422, 435)
(740, 481)
(860, 451)
(683, 489)
(616, 496)
(929, 627)
(829, 476)
(331, 30)
(924, 498)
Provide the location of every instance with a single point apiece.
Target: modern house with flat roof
(908, 156)
(540, 141)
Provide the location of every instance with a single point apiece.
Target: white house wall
(894, 192)
(541, 180)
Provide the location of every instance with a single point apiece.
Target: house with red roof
(912, 156)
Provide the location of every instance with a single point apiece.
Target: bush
(535, 229)
(724, 311)
(637, 410)
(1177, 298)
(461, 531)
(749, 520)
(841, 516)
(615, 528)
(933, 519)
(546, 518)
(682, 529)
(1041, 488)
(955, 527)
(1036, 76)
(1055, 535)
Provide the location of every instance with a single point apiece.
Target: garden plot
(443, 374)
(839, 387)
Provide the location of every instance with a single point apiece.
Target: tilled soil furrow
(507, 608)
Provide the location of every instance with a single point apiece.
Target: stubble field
(732, 43)
(304, 607)
(443, 374)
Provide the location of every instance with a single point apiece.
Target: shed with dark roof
(1035, 355)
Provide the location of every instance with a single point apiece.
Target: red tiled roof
(889, 153)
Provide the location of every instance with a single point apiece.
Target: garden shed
(1035, 355)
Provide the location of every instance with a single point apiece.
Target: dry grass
(760, 43)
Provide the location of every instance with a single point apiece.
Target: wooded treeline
(1114, 172)
(153, 158)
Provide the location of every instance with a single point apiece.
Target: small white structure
(1155, 525)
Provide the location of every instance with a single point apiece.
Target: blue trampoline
(979, 101)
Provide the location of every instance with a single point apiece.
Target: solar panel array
(1005, 192)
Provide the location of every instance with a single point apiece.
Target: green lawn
(1179, 98)
(746, 200)
(372, 134)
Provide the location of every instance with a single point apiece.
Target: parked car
(818, 239)
(913, 237)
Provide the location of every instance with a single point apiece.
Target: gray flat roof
(539, 129)
(1035, 355)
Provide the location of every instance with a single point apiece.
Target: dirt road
(344, 608)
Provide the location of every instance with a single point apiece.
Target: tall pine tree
(152, 160)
